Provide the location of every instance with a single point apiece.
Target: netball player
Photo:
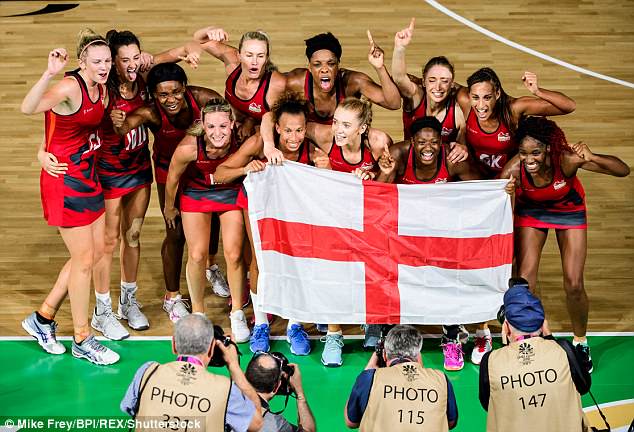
(551, 196)
(325, 85)
(207, 145)
(73, 202)
(435, 98)
(253, 85)
(353, 147)
(175, 108)
(290, 113)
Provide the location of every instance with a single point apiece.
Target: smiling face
(292, 129)
(346, 127)
(533, 154)
(253, 57)
(127, 62)
(324, 67)
(438, 81)
(483, 97)
(96, 63)
(217, 127)
(427, 144)
(171, 96)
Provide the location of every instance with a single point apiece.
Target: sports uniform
(492, 150)
(256, 106)
(409, 175)
(339, 163)
(340, 95)
(123, 163)
(560, 204)
(449, 131)
(75, 198)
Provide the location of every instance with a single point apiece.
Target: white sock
(103, 302)
(483, 332)
(291, 323)
(129, 286)
(260, 317)
(334, 333)
(582, 342)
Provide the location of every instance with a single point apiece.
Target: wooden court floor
(596, 35)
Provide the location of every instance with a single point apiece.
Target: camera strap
(608, 429)
(283, 409)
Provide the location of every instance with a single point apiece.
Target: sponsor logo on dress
(441, 180)
(366, 166)
(559, 184)
(503, 136)
(253, 107)
(87, 110)
(445, 131)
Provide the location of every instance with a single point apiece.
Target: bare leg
(171, 249)
(134, 207)
(196, 227)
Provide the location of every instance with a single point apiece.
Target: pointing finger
(370, 38)
(411, 24)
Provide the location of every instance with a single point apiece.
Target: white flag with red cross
(334, 249)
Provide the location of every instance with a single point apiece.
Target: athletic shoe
(483, 344)
(452, 350)
(217, 281)
(129, 309)
(44, 334)
(107, 324)
(331, 356)
(297, 337)
(322, 328)
(372, 336)
(259, 341)
(463, 334)
(239, 327)
(584, 349)
(93, 351)
(175, 307)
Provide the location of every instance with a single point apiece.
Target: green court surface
(38, 384)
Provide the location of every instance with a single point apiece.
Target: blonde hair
(87, 37)
(262, 36)
(213, 105)
(363, 108)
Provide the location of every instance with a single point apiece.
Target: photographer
(403, 396)
(185, 390)
(535, 382)
(271, 374)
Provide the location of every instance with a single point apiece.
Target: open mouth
(482, 112)
(531, 166)
(427, 156)
(254, 70)
(131, 74)
(438, 94)
(325, 83)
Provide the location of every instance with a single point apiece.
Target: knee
(574, 286)
(133, 233)
(110, 241)
(198, 257)
(233, 256)
(84, 262)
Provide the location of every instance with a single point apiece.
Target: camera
(380, 345)
(286, 371)
(217, 360)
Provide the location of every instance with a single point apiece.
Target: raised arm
(543, 103)
(237, 164)
(202, 95)
(184, 154)
(40, 98)
(407, 88)
(321, 135)
(392, 162)
(124, 122)
(213, 41)
(276, 88)
(583, 158)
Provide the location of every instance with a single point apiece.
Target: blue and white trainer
(331, 356)
(259, 341)
(93, 351)
(297, 337)
(44, 334)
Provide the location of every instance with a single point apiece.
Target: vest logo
(445, 131)
(253, 107)
(503, 137)
(441, 180)
(187, 374)
(87, 110)
(493, 161)
(526, 354)
(410, 372)
(366, 166)
(559, 184)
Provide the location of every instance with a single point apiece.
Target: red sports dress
(340, 95)
(198, 194)
(339, 163)
(167, 137)
(449, 131)
(409, 176)
(492, 150)
(123, 163)
(560, 204)
(255, 107)
(75, 198)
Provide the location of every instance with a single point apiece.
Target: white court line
(609, 404)
(349, 337)
(527, 50)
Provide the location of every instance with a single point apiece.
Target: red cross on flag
(334, 249)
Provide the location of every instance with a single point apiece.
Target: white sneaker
(483, 344)
(44, 334)
(93, 351)
(217, 281)
(107, 323)
(130, 310)
(175, 307)
(239, 327)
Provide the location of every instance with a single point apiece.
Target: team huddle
(97, 170)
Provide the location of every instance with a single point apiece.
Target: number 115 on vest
(411, 417)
